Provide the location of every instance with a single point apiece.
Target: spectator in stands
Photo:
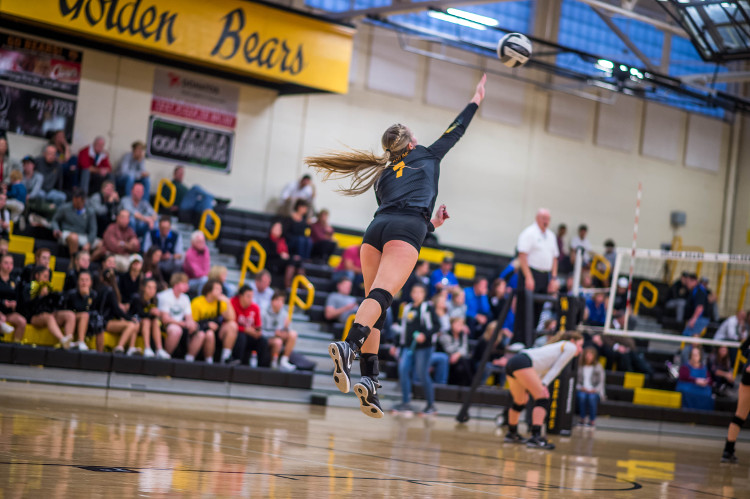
(296, 230)
(596, 310)
(4, 217)
(143, 306)
(170, 244)
(321, 234)
(131, 281)
(116, 321)
(563, 260)
(177, 317)
(579, 241)
(350, 266)
(197, 261)
(81, 301)
(497, 357)
(50, 169)
(16, 195)
(142, 214)
(303, 189)
(220, 273)
(7, 164)
(279, 259)
(120, 240)
(341, 304)
(275, 325)
(712, 310)
(65, 157)
(734, 328)
(621, 352)
(81, 261)
(610, 253)
(152, 270)
(589, 386)
(41, 309)
(420, 274)
(478, 310)
(720, 367)
(677, 297)
(93, 166)
(262, 291)
(455, 343)
(4, 246)
(498, 297)
(250, 336)
(216, 318)
(697, 309)
(457, 305)
(74, 225)
(419, 324)
(105, 205)
(695, 383)
(442, 310)
(510, 274)
(109, 263)
(443, 277)
(42, 258)
(195, 200)
(10, 296)
(32, 179)
(133, 169)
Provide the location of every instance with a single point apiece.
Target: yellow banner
(230, 34)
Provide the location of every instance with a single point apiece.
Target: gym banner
(235, 35)
(26, 112)
(190, 144)
(39, 64)
(184, 95)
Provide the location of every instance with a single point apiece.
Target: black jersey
(411, 181)
(9, 290)
(77, 302)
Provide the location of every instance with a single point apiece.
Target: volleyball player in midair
(405, 178)
(743, 407)
(530, 372)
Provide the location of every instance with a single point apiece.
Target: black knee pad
(745, 380)
(384, 299)
(738, 421)
(544, 403)
(518, 407)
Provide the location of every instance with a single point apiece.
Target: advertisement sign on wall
(199, 99)
(190, 144)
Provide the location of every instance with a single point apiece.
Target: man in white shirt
(299, 189)
(537, 258)
(263, 293)
(734, 328)
(580, 241)
(176, 315)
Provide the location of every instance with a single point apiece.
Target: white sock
(284, 358)
(189, 358)
(209, 360)
(225, 354)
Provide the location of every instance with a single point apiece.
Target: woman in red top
(322, 236)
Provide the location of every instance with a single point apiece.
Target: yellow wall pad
(346, 240)
(21, 244)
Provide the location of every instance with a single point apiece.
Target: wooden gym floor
(79, 442)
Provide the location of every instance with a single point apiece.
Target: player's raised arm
(458, 127)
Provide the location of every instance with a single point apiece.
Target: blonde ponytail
(364, 167)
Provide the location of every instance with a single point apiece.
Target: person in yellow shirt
(215, 317)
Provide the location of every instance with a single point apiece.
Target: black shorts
(409, 227)
(518, 362)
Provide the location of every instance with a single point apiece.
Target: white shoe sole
(342, 381)
(367, 409)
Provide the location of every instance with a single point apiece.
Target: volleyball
(514, 50)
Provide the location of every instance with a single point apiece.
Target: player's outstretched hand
(479, 92)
